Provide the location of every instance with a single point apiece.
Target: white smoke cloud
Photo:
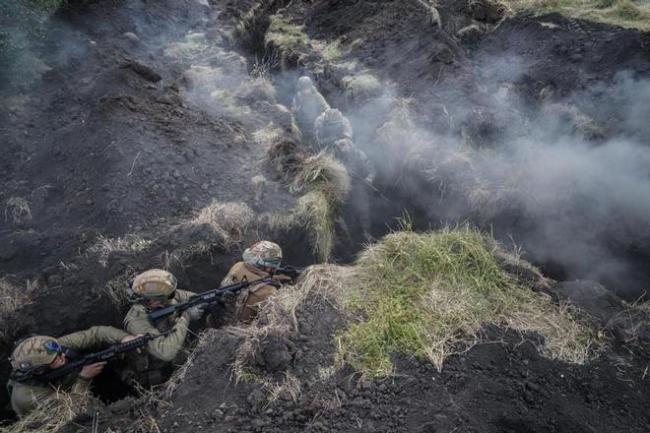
(569, 178)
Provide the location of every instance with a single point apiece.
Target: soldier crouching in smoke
(334, 135)
(307, 105)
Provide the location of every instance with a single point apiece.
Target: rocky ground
(158, 134)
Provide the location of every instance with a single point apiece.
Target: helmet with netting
(154, 284)
(263, 253)
(34, 352)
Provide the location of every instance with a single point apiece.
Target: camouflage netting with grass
(429, 294)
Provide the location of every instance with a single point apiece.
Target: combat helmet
(263, 254)
(304, 82)
(34, 353)
(154, 284)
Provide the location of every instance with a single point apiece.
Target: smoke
(566, 177)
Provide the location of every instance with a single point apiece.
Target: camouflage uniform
(25, 395)
(334, 135)
(249, 299)
(155, 366)
(307, 105)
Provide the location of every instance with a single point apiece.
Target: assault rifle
(103, 356)
(212, 295)
(292, 272)
(204, 298)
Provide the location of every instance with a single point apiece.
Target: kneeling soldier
(151, 290)
(261, 260)
(41, 354)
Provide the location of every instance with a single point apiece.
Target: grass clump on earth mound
(624, 13)
(429, 294)
(326, 184)
(285, 34)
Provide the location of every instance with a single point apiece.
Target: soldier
(334, 134)
(259, 261)
(151, 290)
(39, 354)
(307, 105)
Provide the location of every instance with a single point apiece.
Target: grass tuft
(230, 220)
(624, 13)
(11, 299)
(52, 415)
(327, 185)
(429, 295)
(130, 243)
(17, 210)
(284, 34)
(324, 173)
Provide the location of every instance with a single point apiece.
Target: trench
(384, 207)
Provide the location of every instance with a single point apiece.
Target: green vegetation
(429, 294)
(332, 51)
(624, 13)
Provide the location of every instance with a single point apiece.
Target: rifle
(204, 298)
(102, 356)
(290, 271)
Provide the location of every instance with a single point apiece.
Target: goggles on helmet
(160, 298)
(52, 346)
(270, 262)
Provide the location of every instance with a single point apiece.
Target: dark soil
(116, 139)
(500, 385)
(111, 142)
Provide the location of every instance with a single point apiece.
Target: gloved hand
(196, 312)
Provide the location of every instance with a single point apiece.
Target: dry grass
(624, 13)
(284, 34)
(11, 299)
(314, 212)
(268, 135)
(52, 415)
(230, 220)
(17, 210)
(130, 243)
(361, 86)
(327, 185)
(116, 287)
(179, 375)
(262, 67)
(429, 295)
(325, 174)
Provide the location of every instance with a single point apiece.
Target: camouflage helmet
(154, 283)
(263, 253)
(304, 82)
(34, 352)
